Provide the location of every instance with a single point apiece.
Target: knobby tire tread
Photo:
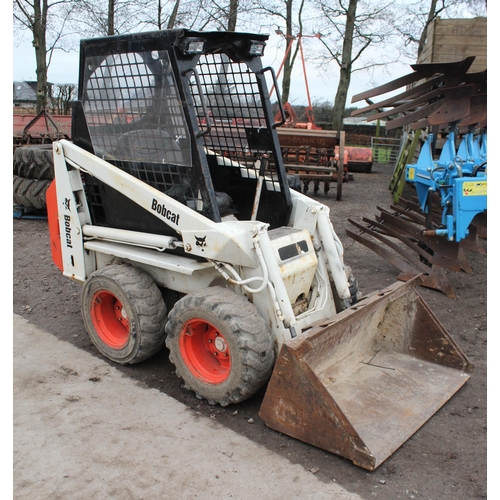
(34, 162)
(255, 346)
(147, 301)
(30, 193)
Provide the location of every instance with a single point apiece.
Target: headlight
(191, 46)
(256, 48)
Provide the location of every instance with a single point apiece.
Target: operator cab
(188, 113)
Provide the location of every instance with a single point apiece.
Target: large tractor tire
(124, 313)
(30, 193)
(34, 162)
(220, 345)
(33, 171)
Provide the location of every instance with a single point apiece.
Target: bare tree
(415, 18)
(214, 14)
(60, 98)
(46, 21)
(219, 15)
(109, 17)
(168, 14)
(350, 28)
(289, 14)
(232, 15)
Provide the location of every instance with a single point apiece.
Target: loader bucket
(362, 383)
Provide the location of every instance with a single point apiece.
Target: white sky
(322, 85)
(64, 69)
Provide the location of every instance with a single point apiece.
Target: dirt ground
(445, 459)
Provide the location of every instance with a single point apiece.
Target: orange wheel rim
(205, 351)
(110, 320)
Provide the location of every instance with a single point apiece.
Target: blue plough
(460, 180)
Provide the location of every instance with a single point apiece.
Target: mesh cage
(132, 108)
(235, 132)
(135, 110)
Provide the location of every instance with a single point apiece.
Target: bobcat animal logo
(201, 242)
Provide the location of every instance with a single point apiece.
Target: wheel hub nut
(220, 344)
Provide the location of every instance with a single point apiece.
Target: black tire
(220, 345)
(30, 193)
(124, 313)
(19, 188)
(34, 162)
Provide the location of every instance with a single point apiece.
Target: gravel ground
(445, 459)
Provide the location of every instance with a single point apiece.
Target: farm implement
(444, 212)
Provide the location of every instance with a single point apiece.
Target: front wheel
(124, 313)
(220, 345)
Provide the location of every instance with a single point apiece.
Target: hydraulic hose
(238, 280)
(477, 168)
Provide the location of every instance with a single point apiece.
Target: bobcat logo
(201, 242)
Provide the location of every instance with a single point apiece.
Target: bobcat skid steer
(171, 205)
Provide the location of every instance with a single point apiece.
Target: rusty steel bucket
(362, 383)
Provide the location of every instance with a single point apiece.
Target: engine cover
(297, 260)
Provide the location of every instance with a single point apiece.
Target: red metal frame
(292, 119)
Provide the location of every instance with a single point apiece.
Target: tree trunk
(288, 66)
(159, 13)
(345, 69)
(173, 16)
(423, 36)
(233, 15)
(39, 42)
(111, 17)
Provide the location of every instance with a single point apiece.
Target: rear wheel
(124, 313)
(219, 345)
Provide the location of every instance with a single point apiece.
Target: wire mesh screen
(135, 120)
(232, 120)
(133, 110)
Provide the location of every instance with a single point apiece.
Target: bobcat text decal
(67, 229)
(67, 224)
(165, 212)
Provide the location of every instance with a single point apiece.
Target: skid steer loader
(172, 207)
